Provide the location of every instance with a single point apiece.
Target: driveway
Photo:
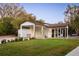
(74, 52)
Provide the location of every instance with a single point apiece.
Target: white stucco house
(37, 30)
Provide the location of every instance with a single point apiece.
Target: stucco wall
(49, 32)
(38, 32)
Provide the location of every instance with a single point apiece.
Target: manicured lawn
(51, 47)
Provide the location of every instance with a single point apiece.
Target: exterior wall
(38, 32)
(49, 33)
(45, 33)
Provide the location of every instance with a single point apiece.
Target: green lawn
(54, 47)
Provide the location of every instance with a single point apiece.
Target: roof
(56, 25)
(27, 23)
(45, 24)
(32, 23)
(39, 23)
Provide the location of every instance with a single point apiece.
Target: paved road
(74, 52)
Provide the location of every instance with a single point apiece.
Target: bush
(16, 39)
(20, 39)
(32, 38)
(12, 40)
(6, 28)
(8, 41)
(3, 41)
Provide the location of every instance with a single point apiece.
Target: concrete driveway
(74, 52)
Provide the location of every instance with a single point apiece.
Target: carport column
(42, 29)
(34, 31)
(62, 33)
(21, 32)
(67, 31)
(21, 27)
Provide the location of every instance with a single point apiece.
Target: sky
(49, 12)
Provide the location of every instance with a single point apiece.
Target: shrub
(16, 39)
(3, 41)
(12, 40)
(8, 41)
(20, 39)
(6, 28)
(32, 38)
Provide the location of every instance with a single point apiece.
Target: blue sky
(49, 12)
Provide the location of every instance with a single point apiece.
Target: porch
(57, 31)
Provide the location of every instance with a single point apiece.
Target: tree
(12, 15)
(72, 12)
(11, 10)
(75, 24)
(41, 20)
(18, 21)
(6, 27)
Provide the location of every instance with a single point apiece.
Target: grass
(51, 47)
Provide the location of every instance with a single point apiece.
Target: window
(26, 27)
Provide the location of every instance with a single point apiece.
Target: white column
(21, 32)
(49, 33)
(34, 31)
(67, 31)
(62, 33)
(21, 27)
(54, 32)
(42, 31)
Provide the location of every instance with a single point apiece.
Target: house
(45, 30)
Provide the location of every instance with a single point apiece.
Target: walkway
(74, 52)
